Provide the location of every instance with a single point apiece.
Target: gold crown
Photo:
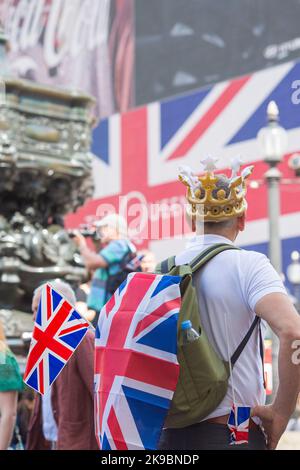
(210, 201)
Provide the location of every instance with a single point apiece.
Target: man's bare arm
(282, 317)
(91, 259)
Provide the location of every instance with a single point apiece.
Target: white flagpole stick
(90, 324)
(230, 370)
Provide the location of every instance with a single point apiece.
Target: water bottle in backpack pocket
(188, 333)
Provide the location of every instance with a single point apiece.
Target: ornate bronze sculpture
(45, 172)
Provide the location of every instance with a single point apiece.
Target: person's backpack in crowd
(203, 377)
(130, 263)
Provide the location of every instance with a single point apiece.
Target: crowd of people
(10, 385)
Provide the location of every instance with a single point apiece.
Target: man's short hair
(59, 286)
(219, 225)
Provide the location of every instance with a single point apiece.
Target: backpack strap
(165, 266)
(243, 343)
(210, 253)
(261, 350)
(127, 257)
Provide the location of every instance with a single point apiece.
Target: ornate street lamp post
(273, 142)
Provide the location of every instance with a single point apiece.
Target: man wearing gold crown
(232, 288)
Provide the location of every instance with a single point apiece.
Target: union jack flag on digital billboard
(136, 368)
(139, 152)
(58, 330)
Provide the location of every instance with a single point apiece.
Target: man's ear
(241, 222)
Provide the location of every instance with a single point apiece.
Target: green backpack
(203, 377)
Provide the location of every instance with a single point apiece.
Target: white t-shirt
(230, 285)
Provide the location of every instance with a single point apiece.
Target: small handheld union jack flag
(238, 423)
(58, 330)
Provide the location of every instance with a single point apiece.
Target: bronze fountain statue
(45, 173)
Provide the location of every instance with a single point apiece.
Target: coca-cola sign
(75, 44)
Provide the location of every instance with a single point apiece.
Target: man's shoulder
(247, 260)
(252, 256)
(120, 245)
(123, 242)
(241, 256)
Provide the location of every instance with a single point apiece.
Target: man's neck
(222, 233)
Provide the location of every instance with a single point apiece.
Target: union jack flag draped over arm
(58, 330)
(136, 367)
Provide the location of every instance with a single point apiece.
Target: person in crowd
(82, 293)
(10, 384)
(24, 411)
(235, 286)
(148, 261)
(109, 263)
(63, 419)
